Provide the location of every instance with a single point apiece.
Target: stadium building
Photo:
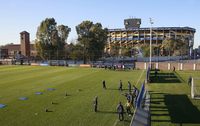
(133, 36)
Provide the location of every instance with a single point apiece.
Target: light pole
(151, 22)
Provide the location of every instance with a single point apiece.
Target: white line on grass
(139, 78)
(115, 122)
(135, 85)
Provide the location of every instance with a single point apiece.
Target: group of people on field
(131, 97)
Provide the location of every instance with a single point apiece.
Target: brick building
(25, 48)
(25, 44)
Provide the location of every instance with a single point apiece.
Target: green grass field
(82, 85)
(171, 103)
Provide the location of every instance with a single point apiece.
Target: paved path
(142, 115)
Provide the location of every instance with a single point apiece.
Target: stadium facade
(132, 36)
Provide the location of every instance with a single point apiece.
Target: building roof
(15, 46)
(11, 47)
(153, 28)
(24, 32)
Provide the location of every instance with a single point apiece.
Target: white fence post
(194, 66)
(181, 66)
(145, 66)
(156, 65)
(169, 66)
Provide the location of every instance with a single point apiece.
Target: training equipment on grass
(79, 90)
(53, 103)
(51, 89)
(2, 106)
(38, 93)
(23, 98)
(195, 88)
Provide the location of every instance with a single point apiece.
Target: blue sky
(20, 15)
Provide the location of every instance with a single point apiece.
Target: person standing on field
(190, 81)
(120, 85)
(120, 111)
(128, 108)
(104, 84)
(95, 103)
(129, 86)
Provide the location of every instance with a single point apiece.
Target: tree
(51, 39)
(175, 47)
(76, 52)
(92, 38)
(126, 51)
(114, 51)
(145, 50)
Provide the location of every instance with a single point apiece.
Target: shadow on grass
(116, 89)
(178, 107)
(181, 110)
(54, 103)
(164, 78)
(158, 110)
(177, 74)
(106, 112)
(49, 111)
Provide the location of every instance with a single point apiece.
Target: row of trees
(175, 46)
(51, 41)
(170, 47)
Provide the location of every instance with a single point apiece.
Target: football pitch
(171, 103)
(75, 109)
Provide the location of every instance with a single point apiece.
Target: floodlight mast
(151, 22)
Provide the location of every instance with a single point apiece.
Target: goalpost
(195, 88)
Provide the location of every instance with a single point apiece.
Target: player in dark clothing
(134, 89)
(190, 81)
(95, 103)
(104, 84)
(129, 97)
(120, 85)
(135, 94)
(129, 86)
(120, 111)
(156, 72)
(174, 69)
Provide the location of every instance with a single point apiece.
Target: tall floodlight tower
(151, 22)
